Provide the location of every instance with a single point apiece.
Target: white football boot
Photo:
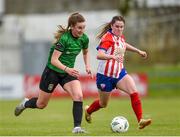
(20, 108)
(77, 130)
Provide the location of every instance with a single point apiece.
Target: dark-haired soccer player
(111, 72)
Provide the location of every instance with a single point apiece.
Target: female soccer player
(60, 69)
(111, 72)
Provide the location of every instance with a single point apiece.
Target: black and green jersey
(70, 48)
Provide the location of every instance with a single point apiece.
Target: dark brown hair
(72, 20)
(107, 26)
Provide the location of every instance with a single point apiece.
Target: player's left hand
(143, 54)
(89, 72)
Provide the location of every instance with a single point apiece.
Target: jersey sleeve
(104, 45)
(85, 42)
(60, 45)
(105, 42)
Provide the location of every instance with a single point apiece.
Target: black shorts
(50, 79)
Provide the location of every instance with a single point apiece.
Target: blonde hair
(107, 26)
(72, 20)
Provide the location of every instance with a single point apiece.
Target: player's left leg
(144, 122)
(127, 84)
(75, 91)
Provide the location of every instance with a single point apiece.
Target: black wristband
(65, 68)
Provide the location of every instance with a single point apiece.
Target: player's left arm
(133, 49)
(87, 61)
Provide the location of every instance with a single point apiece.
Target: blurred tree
(124, 6)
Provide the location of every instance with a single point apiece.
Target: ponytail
(104, 29)
(61, 30)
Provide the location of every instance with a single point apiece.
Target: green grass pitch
(56, 119)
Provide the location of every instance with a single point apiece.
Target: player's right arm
(55, 61)
(103, 56)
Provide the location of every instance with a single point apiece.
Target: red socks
(135, 102)
(136, 105)
(94, 107)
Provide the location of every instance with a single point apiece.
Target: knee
(41, 105)
(78, 98)
(132, 91)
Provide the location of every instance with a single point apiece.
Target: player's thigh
(127, 84)
(74, 89)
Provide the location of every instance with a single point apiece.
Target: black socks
(31, 103)
(77, 113)
(77, 110)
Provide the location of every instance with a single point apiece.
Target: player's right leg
(40, 102)
(87, 115)
(104, 89)
(96, 105)
(49, 81)
(21, 107)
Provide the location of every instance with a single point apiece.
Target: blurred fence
(161, 81)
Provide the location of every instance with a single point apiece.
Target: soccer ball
(119, 124)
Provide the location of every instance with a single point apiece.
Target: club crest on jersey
(50, 86)
(119, 51)
(103, 86)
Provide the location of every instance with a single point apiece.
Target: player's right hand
(73, 72)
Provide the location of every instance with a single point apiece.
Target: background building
(27, 28)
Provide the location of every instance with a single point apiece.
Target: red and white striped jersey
(112, 45)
